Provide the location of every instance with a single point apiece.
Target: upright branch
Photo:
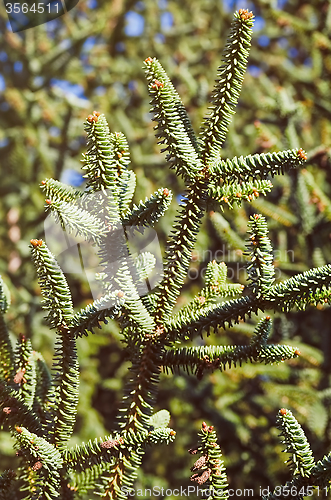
(39, 407)
(228, 86)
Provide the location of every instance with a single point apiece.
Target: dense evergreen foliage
(290, 102)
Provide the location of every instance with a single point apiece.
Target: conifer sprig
(7, 364)
(64, 396)
(54, 287)
(74, 219)
(25, 377)
(173, 125)
(179, 248)
(261, 271)
(301, 459)
(258, 166)
(148, 212)
(57, 191)
(228, 85)
(199, 360)
(209, 467)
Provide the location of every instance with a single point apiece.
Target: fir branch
(7, 479)
(57, 191)
(25, 377)
(45, 463)
(65, 391)
(14, 411)
(237, 193)
(297, 291)
(228, 85)
(161, 436)
(145, 263)
(140, 391)
(307, 210)
(106, 158)
(73, 218)
(174, 128)
(53, 284)
(127, 186)
(210, 466)
(179, 249)
(123, 473)
(88, 318)
(215, 288)
(7, 360)
(321, 472)
(88, 479)
(199, 360)
(121, 274)
(214, 317)
(98, 452)
(301, 460)
(43, 388)
(261, 272)
(292, 490)
(4, 297)
(317, 194)
(261, 333)
(300, 290)
(252, 167)
(147, 213)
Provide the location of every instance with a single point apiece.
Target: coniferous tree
(39, 408)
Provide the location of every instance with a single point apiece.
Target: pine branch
(147, 213)
(237, 193)
(65, 393)
(199, 360)
(57, 191)
(25, 377)
(173, 125)
(228, 85)
(179, 249)
(253, 167)
(210, 466)
(7, 360)
(73, 218)
(301, 459)
(108, 307)
(45, 463)
(261, 272)
(54, 288)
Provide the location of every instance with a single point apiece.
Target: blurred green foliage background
(53, 76)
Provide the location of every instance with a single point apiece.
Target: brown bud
(199, 463)
(38, 465)
(302, 154)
